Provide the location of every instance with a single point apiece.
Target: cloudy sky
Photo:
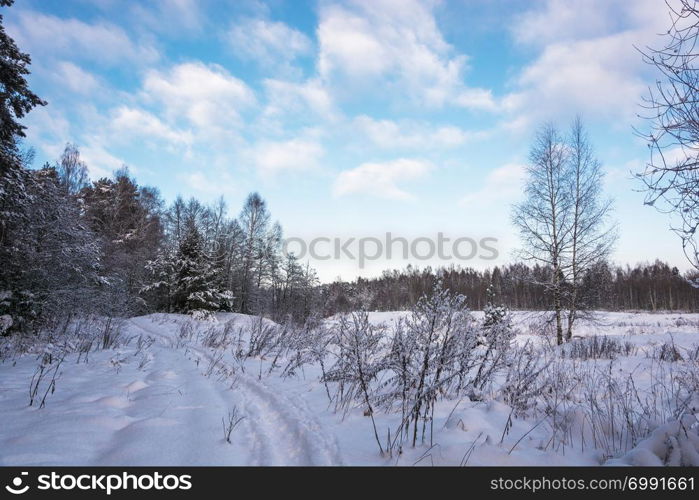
(351, 118)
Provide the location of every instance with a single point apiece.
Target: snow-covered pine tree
(497, 322)
(53, 270)
(497, 333)
(158, 292)
(16, 100)
(126, 219)
(195, 285)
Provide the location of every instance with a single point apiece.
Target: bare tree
(544, 218)
(671, 176)
(563, 220)
(592, 238)
(254, 219)
(72, 171)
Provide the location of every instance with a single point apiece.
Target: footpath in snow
(156, 406)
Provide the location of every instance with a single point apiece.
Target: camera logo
(16, 487)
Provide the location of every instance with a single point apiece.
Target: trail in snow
(285, 433)
(279, 430)
(117, 410)
(175, 418)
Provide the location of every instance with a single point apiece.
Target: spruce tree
(195, 287)
(16, 100)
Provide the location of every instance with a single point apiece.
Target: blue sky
(351, 118)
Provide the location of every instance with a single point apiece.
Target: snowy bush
(358, 362)
(597, 347)
(667, 351)
(497, 335)
(675, 443)
(203, 315)
(524, 380)
(264, 336)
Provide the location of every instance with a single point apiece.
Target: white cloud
(503, 183)
(596, 77)
(100, 162)
(270, 157)
(284, 97)
(587, 61)
(221, 184)
(396, 46)
(169, 16)
(389, 134)
(137, 123)
(102, 43)
(566, 20)
(475, 98)
(206, 96)
(75, 79)
(46, 126)
(381, 179)
(271, 44)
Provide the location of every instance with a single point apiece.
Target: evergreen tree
(497, 322)
(53, 267)
(158, 292)
(126, 219)
(16, 99)
(195, 278)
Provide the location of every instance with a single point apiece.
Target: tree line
(649, 286)
(112, 247)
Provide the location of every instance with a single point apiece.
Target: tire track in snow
(297, 437)
(281, 431)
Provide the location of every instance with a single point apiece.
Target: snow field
(162, 394)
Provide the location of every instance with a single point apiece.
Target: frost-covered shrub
(187, 330)
(692, 353)
(218, 336)
(264, 336)
(358, 362)
(524, 380)
(497, 333)
(444, 336)
(307, 344)
(598, 347)
(439, 350)
(667, 351)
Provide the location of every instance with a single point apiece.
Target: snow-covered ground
(166, 393)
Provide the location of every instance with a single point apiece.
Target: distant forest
(651, 287)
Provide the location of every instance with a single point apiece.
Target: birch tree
(564, 221)
(544, 218)
(592, 237)
(254, 220)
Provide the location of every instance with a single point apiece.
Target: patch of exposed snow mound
(675, 443)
